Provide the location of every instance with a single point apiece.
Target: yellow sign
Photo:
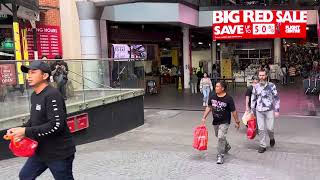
(226, 68)
(17, 48)
(174, 55)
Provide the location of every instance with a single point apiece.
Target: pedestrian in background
(194, 83)
(205, 88)
(60, 72)
(255, 80)
(222, 106)
(292, 73)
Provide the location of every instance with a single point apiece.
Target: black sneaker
(228, 147)
(262, 150)
(220, 159)
(272, 142)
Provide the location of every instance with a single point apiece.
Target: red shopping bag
(200, 140)
(24, 148)
(252, 127)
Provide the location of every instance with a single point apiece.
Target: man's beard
(262, 82)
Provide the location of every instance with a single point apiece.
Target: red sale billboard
(251, 24)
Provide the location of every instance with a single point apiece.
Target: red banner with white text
(252, 24)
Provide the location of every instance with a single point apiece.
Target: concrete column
(104, 52)
(186, 57)
(90, 37)
(277, 51)
(213, 53)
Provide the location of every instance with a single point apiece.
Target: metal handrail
(90, 80)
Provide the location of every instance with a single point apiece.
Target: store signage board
(48, 41)
(8, 74)
(126, 51)
(253, 24)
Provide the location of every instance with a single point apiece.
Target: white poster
(121, 51)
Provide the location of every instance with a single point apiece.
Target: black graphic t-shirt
(221, 109)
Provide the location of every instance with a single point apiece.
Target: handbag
(200, 140)
(24, 148)
(252, 127)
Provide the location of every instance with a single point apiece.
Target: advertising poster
(251, 24)
(226, 68)
(8, 74)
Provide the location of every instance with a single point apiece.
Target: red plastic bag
(252, 127)
(200, 140)
(24, 148)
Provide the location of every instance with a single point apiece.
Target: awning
(28, 9)
(29, 4)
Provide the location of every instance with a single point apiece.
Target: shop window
(254, 54)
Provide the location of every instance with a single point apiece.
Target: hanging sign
(251, 24)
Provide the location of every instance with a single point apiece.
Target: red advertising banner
(8, 74)
(48, 41)
(251, 24)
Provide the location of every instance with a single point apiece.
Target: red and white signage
(251, 24)
(78, 122)
(48, 41)
(8, 74)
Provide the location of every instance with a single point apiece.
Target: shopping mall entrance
(155, 49)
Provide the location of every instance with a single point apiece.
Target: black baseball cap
(37, 65)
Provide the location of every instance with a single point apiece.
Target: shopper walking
(222, 106)
(47, 125)
(255, 80)
(205, 88)
(194, 83)
(292, 73)
(265, 103)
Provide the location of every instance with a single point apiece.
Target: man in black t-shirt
(255, 80)
(47, 125)
(222, 106)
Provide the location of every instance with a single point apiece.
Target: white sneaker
(220, 159)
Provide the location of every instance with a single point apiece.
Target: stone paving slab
(162, 149)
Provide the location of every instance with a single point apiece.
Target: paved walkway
(162, 149)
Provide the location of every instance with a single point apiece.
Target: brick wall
(52, 15)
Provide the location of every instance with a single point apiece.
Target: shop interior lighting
(167, 39)
(307, 28)
(218, 44)
(200, 43)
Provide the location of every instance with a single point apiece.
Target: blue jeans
(206, 92)
(60, 169)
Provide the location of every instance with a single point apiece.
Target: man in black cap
(48, 126)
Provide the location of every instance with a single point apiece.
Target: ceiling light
(200, 43)
(167, 39)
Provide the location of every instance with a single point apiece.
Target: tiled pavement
(162, 149)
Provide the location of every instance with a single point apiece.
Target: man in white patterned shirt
(265, 103)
